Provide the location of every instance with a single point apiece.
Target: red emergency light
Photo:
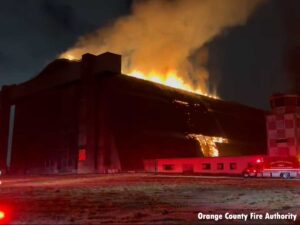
(2, 215)
(258, 160)
(82, 154)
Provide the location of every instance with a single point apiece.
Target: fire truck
(284, 167)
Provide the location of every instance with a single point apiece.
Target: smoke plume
(164, 35)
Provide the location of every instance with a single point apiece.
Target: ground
(144, 199)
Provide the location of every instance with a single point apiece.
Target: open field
(144, 199)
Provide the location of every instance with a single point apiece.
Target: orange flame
(171, 79)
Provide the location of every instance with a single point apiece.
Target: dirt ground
(145, 199)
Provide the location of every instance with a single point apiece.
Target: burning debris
(160, 38)
(208, 144)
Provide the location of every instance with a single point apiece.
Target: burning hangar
(86, 116)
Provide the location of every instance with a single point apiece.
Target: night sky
(246, 62)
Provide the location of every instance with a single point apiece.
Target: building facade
(85, 117)
(283, 126)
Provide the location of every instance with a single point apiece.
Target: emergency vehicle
(285, 167)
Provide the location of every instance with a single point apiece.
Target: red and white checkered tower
(283, 125)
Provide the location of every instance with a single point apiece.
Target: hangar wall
(85, 116)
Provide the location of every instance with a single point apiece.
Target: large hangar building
(85, 117)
